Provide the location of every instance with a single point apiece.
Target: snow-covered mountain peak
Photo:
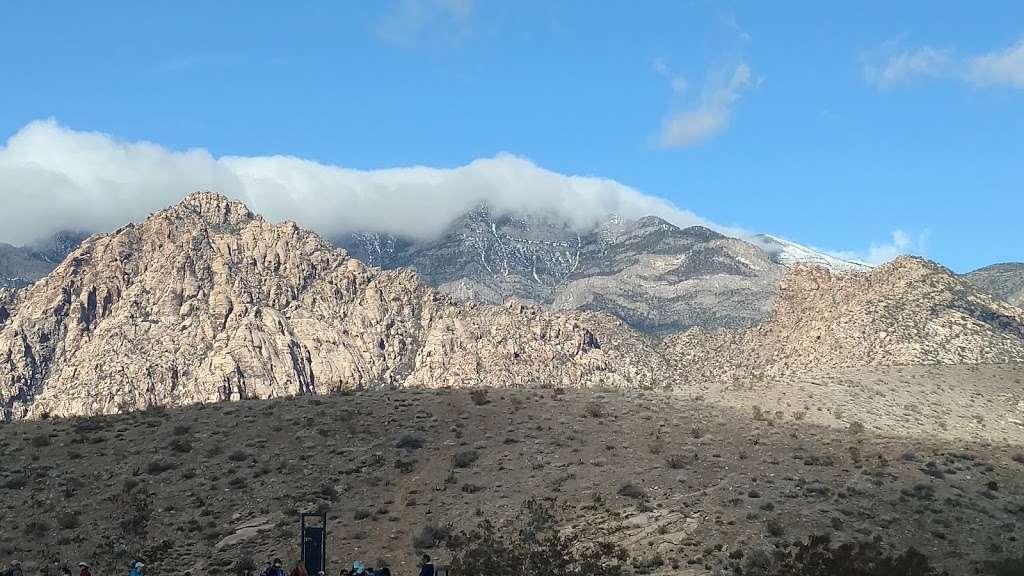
(787, 253)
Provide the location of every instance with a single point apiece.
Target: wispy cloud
(902, 67)
(405, 20)
(900, 244)
(711, 114)
(1001, 67)
(678, 82)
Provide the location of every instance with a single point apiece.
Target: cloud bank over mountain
(54, 178)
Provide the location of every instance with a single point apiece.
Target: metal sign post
(314, 542)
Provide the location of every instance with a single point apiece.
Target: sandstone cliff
(206, 301)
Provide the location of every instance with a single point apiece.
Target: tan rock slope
(907, 312)
(206, 301)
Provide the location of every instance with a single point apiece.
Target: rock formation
(908, 311)
(1004, 281)
(656, 277)
(205, 301)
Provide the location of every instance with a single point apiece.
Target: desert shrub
(465, 459)
(525, 548)
(40, 441)
(181, 445)
(67, 520)
(245, 564)
(409, 442)
(479, 397)
(160, 465)
(774, 527)
(361, 514)
(16, 482)
(1006, 567)
(856, 428)
(238, 456)
(758, 414)
(595, 410)
(817, 557)
(430, 536)
(470, 488)
(181, 429)
(329, 492)
(630, 490)
(87, 425)
(405, 466)
(36, 527)
(1019, 458)
(678, 461)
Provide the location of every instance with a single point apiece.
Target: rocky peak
(205, 301)
(1004, 281)
(908, 311)
(212, 209)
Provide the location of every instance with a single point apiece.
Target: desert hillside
(688, 485)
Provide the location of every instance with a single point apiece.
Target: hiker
(65, 571)
(15, 569)
(274, 568)
(427, 567)
(299, 570)
(84, 569)
(358, 568)
(137, 569)
(382, 569)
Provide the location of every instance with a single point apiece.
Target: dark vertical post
(313, 547)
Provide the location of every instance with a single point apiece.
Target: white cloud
(678, 82)
(54, 178)
(906, 65)
(1003, 67)
(900, 244)
(711, 116)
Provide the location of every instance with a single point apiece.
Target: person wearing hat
(137, 569)
(275, 568)
(84, 569)
(15, 569)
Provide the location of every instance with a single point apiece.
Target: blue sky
(833, 126)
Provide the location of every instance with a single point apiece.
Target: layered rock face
(206, 301)
(656, 277)
(1004, 281)
(909, 311)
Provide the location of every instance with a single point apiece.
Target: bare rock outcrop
(206, 301)
(1004, 281)
(909, 311)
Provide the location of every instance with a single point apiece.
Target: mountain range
(206, 301)
(653, 275)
